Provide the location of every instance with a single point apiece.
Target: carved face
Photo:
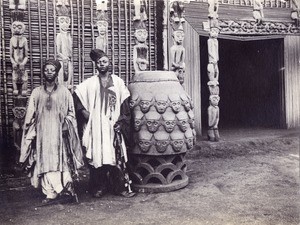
(176, 106)
(138, 124)
(161, 146)
(102, 27)
(178, 36)
(152, 125)
(177, 144)
(180, 75)
(145, 105)
(141, 35)
(64, 23)
(142, 65)
(169, 125)
(18, 28)
(144, 145)
(186, 104)
(214, 101)
(132, 103)
(19, 112)
(214, 32)
(189, 143)
(161, 106)
(183, 125)
(192, 123)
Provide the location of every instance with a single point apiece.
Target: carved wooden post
(64, 44)
(213, 71)
(102, 25)
(140, 50)
(177, 51)
(19, 58)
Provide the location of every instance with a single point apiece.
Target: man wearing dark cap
(49, 122)
(103, 102)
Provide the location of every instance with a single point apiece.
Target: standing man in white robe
(103, 101)
(50, 139)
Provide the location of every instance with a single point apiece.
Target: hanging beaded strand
(49, 102)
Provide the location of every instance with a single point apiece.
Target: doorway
(249, 83)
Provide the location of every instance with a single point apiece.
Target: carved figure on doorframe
(213, 54)
(101, 5)
(64, 51)
(295, 15)
(176, 11)
(213, 118)
(19, 57)
(140, 7)
(213, 7)
(258, 13)
(17, 4)
(177, 51)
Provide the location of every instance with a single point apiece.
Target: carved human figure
(191, 119)
(213, 87)
(102, 39)
(176, 11)
(17, 4)
(19, 114)
(140, 50)
(213, 7)
(177, 51)
(295, 15)
(169, 121)
(213, 54)
(258, 13)
(161, 102)
(101, 5)
(177, 140)
(213, 118)
(183, 121)
(19, 57)
(152, 121)
(162, 140)
(140, 10)
(64, 52)
(175, 102)
(62, 3)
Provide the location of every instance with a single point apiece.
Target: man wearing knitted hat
(50, 140)
(103, 101)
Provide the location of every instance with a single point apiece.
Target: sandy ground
(244, 179)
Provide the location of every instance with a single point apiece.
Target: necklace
(49, 101)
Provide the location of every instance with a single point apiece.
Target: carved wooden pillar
(213, 71)
(19, 58)
(140, 50)
(258, 13)
(177, 51)
(64, 44)
(102, 25)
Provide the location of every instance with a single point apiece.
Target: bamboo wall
(292, 80)
(41, 29)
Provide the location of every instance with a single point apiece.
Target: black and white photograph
(150, 112)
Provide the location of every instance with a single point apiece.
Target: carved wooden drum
(163, 131)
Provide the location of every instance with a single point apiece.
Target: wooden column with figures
(295, 15)
(177, 51)
(64, 44)
(140, 50)
(19, 57)
(102, 25)
(213, 71)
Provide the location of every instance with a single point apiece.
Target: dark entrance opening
(249, 83)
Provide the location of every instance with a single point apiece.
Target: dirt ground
(249, 177)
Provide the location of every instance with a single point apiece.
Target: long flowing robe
(43, 145)
(104, 106)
